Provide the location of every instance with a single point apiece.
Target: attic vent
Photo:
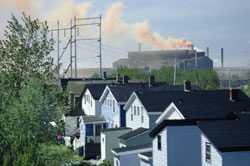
(187, 86)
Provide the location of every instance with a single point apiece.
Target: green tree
(30, 97)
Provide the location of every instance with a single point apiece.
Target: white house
(90, 99)
(110, 140)
(112, 101)
(129, 155)
(204, 143)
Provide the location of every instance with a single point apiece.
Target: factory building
(184, 59)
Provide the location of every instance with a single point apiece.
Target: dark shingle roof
(226, 135)
(196, 104)
(131, 148)
(122, 92)
(96, 90)
(133, 133)
(233, 135)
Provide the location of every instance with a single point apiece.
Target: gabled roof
(96, 90)
(226, 135)
(195, 104)
(133, 133)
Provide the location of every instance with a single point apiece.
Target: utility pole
(175, 70)
(75, 31)
(100, 46)
(58, 49)
(71, 49)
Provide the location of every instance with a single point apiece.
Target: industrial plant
(185, 59)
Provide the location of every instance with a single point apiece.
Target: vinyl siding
(236, 158)
(216, 158)
(128, 160)
(137, 118)
(160, 156)
(183, 145)
(110, 141)
(110, 110)
(91, 107)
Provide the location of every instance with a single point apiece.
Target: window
(142, 119)
(208, 152)
(103, 140)
(134, 110)
(113, 105)
(117, 162)
(98, 128)
(132, 117)
(138, 110)
(77, 122)
(85, 99)
(159, 142)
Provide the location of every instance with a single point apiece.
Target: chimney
(151, 81)
(104, 75)
(187, 86)
(233, 94)
(207, 52)
(125, 79)
(118, 78)
(222, 57)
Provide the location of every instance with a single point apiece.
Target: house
(201, 143)
(145, 106)
(115, 96)
(130, 145)
(129, 155)
(90, 133)
(112, 101)
(145, 158)
(72, 123)
(210, 104)
(90, 99)
(110, 140)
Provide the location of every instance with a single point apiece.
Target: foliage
(55, 155)
(30, 97)
(247, 90)
(106, 163)
(206, 79)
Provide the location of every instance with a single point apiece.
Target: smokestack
(222, 58)
(139, 47)
(207, 51)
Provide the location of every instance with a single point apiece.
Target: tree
(30, 97)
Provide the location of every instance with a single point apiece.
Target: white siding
(103, 146)
(110, 110)
(90, 106)
(160, 156)
(137, 118)
(236, 158)
(216, 158)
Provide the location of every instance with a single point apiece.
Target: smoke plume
(114, 25)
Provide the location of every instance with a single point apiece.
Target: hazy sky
(213, 23)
